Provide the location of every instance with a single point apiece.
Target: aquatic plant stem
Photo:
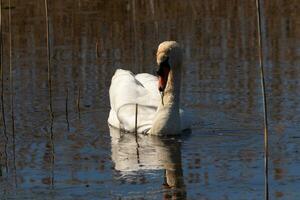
(67, 109)
(52, 156)
(78, 102)
(49, 61)
(97, 49)
(2, 92)
(136, 134)
(136, 114)
(2, 75)
(50, 94)
(12, 92)
(11, 71)
(0, 165)
(266, 130)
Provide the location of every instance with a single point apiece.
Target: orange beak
(163, 79)
(163, 73)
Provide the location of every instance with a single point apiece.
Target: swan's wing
(150, 82)
(125, 92)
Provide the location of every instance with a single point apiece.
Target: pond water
(74, 154)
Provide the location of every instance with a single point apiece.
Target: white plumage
(153, 116)
(125, 92)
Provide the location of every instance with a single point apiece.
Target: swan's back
(125, 92)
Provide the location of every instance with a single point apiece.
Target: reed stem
(78, 102)
(50, 94)
(12, 92)
(67, 110)
(136, 134)
(11, 70)
(266, 130)
(2, 94)
(2, 75)
(52, 155)
(97, 49)
(0, 164)
(49, 61)
(136, 115)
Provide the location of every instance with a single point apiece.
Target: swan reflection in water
(136, 153)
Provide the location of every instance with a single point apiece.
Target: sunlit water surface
(76, 156)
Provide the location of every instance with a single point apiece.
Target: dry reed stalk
(0, 164)
(50, 94)
(136, 134)
(12, 93)
(67, 110)
(136, 115)
(11, 71)
(78, 102)
(97, 49)
(262, 75)
(49, 61)
(2, 75)
(2, 93)
(52, 155)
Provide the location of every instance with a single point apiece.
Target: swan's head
(168, 58)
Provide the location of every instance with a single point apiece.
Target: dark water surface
(76, 156)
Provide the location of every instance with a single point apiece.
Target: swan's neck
(167, 119)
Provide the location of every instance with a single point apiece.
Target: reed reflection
(131, 154)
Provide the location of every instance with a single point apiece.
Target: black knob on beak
(159, 72)
(161, 66)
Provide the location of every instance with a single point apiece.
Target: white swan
(157, 115)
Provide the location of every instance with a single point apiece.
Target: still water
(76, 156)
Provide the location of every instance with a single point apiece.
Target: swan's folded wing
(150, 82)
(126, 91)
